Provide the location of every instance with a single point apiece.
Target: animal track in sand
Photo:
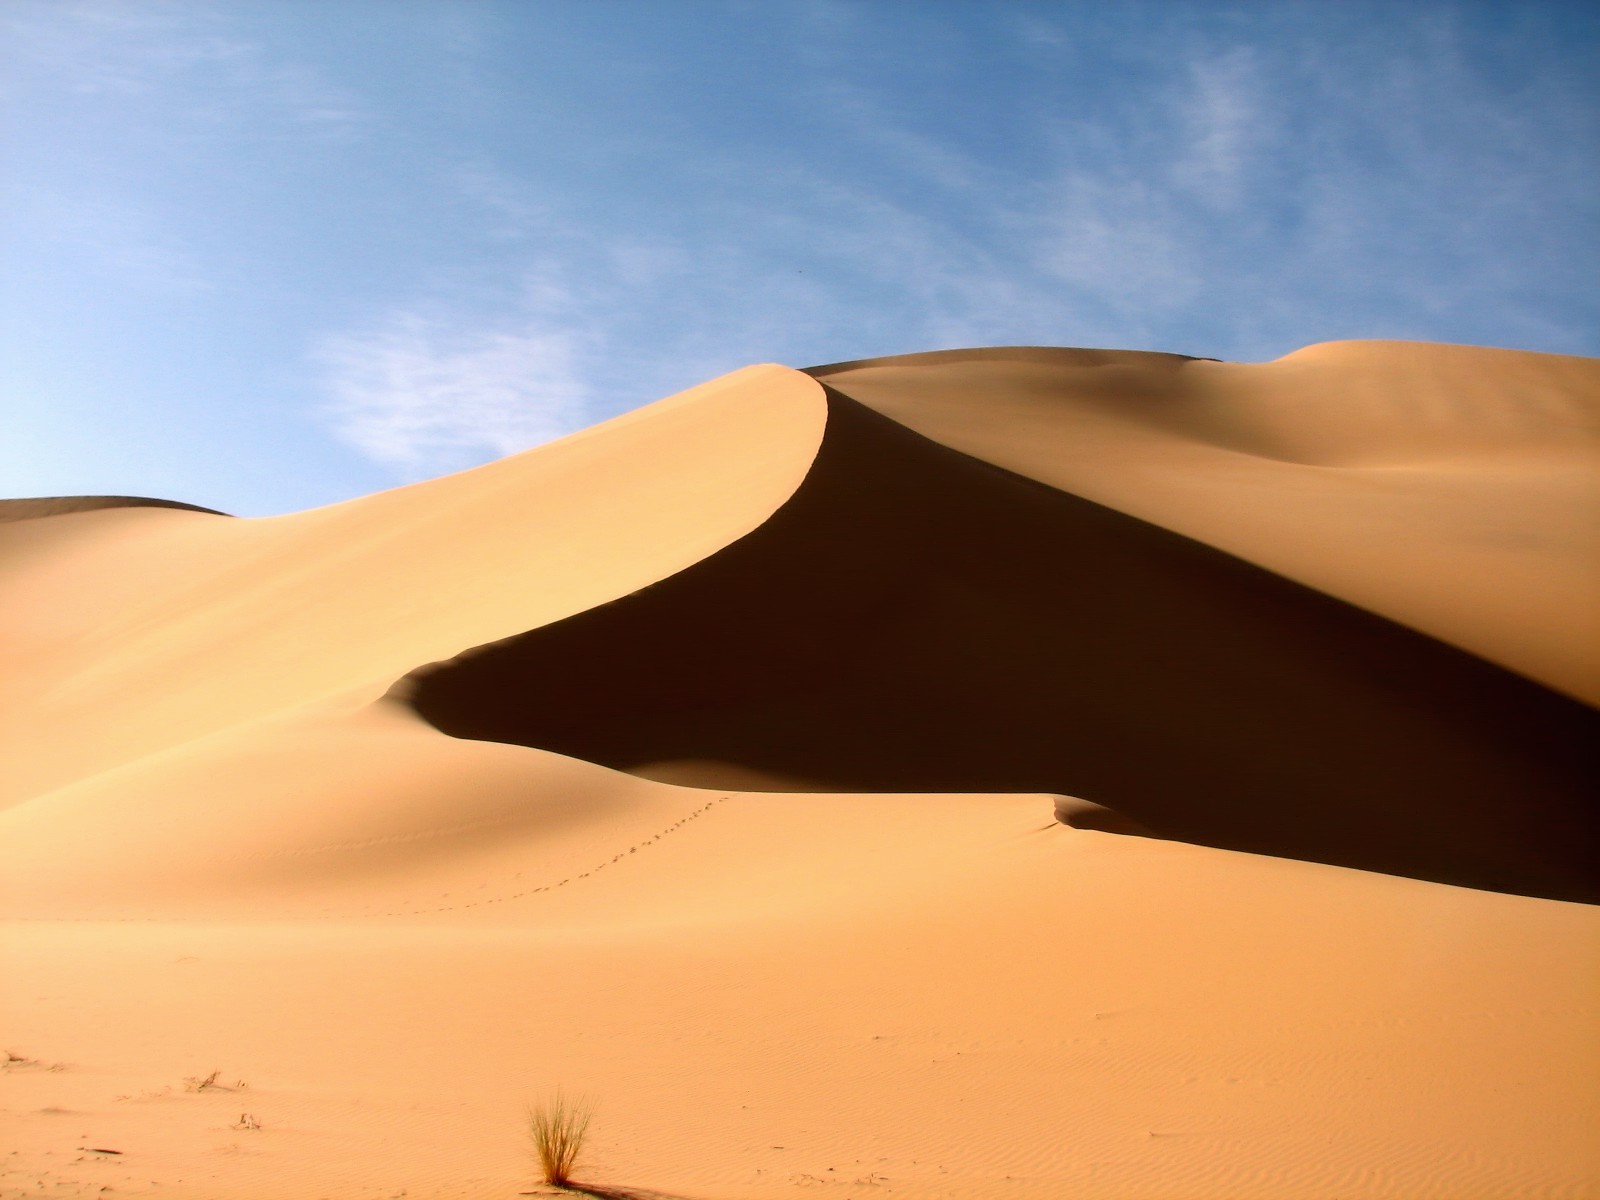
(549, 887)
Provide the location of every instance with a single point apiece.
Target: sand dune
(926, 623)
(133, 630)
(1450, 488)
(799, 722)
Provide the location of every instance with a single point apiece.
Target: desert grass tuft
(558, 1128)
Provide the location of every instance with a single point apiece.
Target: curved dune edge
(914, 620)
(1401, 477)
(135, 631)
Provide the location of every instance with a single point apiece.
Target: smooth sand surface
(1011, 773)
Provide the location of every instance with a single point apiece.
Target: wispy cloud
(1222, 124)
(484, 232)
(506, 212)
(120, 50)
(140, 53)
(425, 393)
(1137, 207)
(1230, 196)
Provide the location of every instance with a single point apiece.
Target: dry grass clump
(212, 1083)
(12, 1061)
(558, 1128)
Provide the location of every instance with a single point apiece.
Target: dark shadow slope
(27, 508)
(917, 620)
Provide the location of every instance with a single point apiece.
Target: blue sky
(268, 254)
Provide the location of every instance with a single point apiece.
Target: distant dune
(55, 506)
(763, 763)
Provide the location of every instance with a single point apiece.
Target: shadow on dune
(917, 620)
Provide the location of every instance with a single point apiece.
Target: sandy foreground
(1010, 773)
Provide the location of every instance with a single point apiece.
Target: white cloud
(428, 394)
(141, 53)
(119, 50)
(305, 95)
(854, 109)
(1223, 126)
(507, 212)
(1120, 242)
(1142, 203)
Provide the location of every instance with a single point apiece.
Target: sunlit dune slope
(915, 620)
(134, 630)
(329, 813)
